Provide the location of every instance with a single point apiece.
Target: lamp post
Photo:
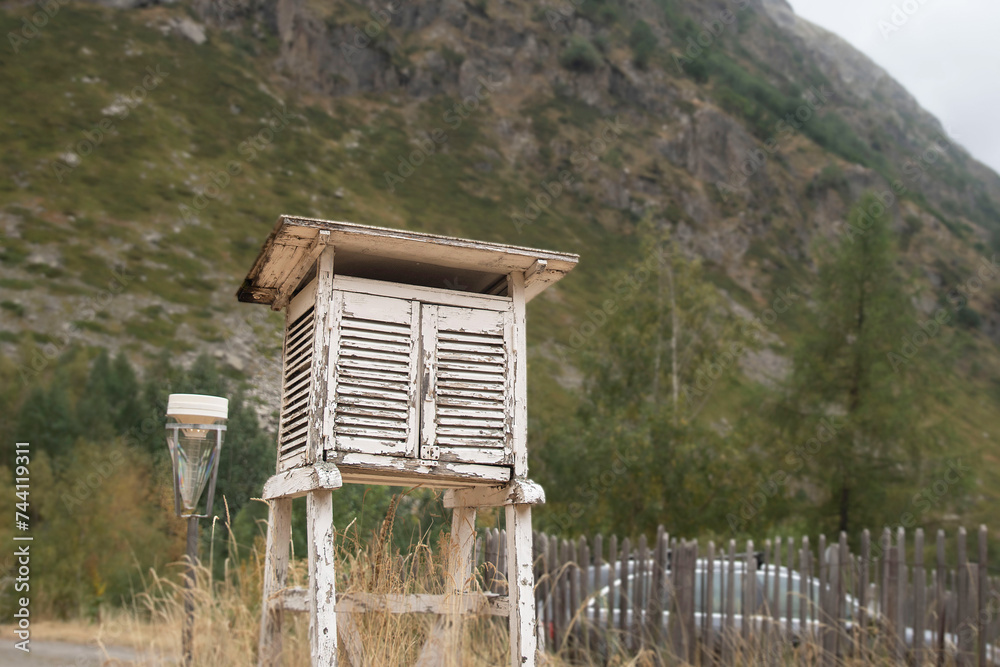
(196, 427)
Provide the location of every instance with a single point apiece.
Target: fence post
(776, 591)
(940, 602)
(689, 600)
(728, 630)
(866, 554)
(963, 626)
(789, 587)
(559, 594)
(708, 606)
(901, 580)
(982, 617)
(584, 574)
(597, 605)
(573, 585)
(642, 588)
(490, 556)
(749, 596)
(612, 589)
(885, 544)
(675, 603)
(808, 599)
(829, 569)
(541, 553)
(843, 570)
(919, 597)
(624, 595)
(767, 610)
(658, 588)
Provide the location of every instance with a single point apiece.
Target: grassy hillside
(140, 172)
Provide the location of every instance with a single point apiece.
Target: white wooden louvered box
(404, 354)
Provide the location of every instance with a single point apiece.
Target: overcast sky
(945, 52)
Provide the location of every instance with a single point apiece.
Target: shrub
(830, 178)
(696, 69)
(580, 55)
(601, 12)
(968, 318)
(643, 43)
(13, 307)
(912, 226)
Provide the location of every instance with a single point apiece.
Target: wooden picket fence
(825, 606)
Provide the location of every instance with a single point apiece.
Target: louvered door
(297, 376)
(374, 394)
(420, 373)
(468, 389)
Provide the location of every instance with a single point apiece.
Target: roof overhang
(289, 253)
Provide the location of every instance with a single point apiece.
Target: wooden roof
(287, 258)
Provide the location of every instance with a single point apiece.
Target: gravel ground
(64, 654)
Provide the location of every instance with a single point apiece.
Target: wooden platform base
(396, 471)
(330, 614)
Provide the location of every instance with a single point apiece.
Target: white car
(595, 609)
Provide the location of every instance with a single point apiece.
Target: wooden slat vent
(297, 377)
(373, 390)
(471, 387)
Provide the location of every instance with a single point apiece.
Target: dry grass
(228, 618)
(227, 611)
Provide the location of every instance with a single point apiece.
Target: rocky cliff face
(409, 52)
(746, 128)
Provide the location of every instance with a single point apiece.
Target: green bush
(580, 55)
(696, 69)
(968, 318)
(912, 226)
(830, 178)
(13, 307)
(643, 43)
(600, 12)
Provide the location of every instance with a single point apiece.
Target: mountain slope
(132, 205)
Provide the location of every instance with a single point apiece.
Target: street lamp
(196, 427)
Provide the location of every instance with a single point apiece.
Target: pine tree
(47, 418)
(94, 410)
(123, 394)
(860, 418)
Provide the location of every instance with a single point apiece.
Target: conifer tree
(860, 419)
(47, 418)
(94, 410)
(123, 394)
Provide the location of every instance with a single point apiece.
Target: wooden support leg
(323, 593)
(444, 646)
(350, 638)
(520, 586)
(279, 525)
(463, 541)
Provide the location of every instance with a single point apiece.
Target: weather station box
(404, 353)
